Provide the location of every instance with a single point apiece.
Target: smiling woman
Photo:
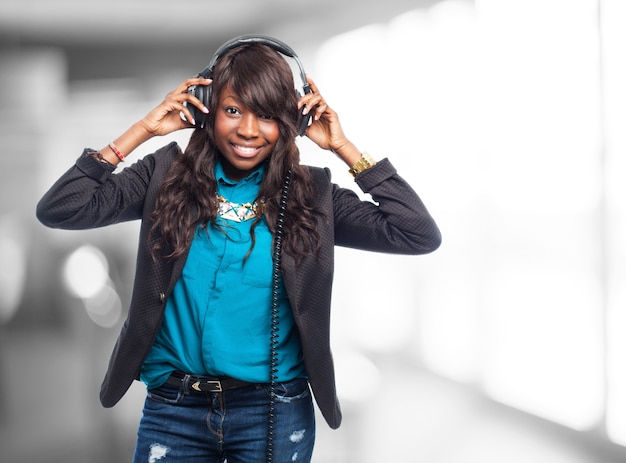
(229, 320)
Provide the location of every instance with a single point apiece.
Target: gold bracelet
(362, 164)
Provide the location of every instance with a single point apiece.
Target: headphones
(203, 92)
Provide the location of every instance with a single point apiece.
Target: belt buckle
(216, 385)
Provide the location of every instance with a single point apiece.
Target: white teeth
(246, 149)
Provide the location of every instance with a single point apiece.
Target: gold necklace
(237, 212)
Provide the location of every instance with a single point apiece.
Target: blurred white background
(506, 116)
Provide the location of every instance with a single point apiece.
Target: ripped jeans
(180, 426)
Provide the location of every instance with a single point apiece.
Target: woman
(228, 325)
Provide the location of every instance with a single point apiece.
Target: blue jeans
(184, 426)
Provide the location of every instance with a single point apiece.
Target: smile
(246, 150)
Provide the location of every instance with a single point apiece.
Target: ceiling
(138, 38)
(154, 22)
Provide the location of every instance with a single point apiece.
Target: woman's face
(245, 139)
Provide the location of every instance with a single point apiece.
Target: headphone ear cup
(203, 93)
(303, 123)
(304, 120)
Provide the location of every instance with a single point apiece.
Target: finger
(320, 110)
(171, 107)
(184, 86)
(312, 84)
(309, 102)
(185, 114)
(304, 98)
(184, 93)
(186, 117)
(184, 100)
(197, 103)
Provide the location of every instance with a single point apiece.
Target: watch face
(362, 164)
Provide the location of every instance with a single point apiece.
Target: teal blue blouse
(217, 320)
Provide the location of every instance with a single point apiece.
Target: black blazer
(88, 195)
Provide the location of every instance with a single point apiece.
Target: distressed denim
(179, 426)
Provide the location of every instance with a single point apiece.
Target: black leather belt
(206, 383)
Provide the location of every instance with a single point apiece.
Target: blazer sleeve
(91, 195)
(398, 222)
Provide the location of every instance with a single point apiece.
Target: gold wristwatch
(362, 164)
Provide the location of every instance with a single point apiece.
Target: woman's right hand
(166, 117)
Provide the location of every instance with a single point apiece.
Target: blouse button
(161, 297)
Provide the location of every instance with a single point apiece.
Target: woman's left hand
(325, 129)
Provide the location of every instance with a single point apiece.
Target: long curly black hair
(263, 81)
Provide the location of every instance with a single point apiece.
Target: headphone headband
(246, 39)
